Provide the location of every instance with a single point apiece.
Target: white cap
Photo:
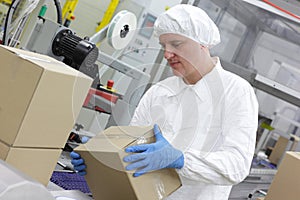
(188, 21)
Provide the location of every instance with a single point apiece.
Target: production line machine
(83, 55)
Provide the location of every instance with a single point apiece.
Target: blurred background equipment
(16, 18)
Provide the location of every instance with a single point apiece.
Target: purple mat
(70, 181)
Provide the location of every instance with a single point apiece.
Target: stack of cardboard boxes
(40, 99)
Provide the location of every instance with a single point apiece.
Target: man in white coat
(204, 117)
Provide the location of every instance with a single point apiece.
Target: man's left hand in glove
(154, 156)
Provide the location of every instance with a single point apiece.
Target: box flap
(132, 131)
(146, 138)
(102, 143)
(116, 138)
(137, 134)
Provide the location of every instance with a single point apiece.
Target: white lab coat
(213, 123)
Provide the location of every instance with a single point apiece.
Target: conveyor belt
(70, 181)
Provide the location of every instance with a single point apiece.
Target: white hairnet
(189, 21)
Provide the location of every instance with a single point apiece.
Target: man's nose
(168, 54)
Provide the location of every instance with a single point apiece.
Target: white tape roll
(121, 29)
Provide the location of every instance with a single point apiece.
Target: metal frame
(122, 111)
(264, 84)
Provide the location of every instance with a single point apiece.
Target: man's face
(183, 55)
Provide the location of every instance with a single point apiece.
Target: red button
(110, 84)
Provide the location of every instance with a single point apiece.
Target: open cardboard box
(106, 175)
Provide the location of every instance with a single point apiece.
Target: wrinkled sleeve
(230, 163)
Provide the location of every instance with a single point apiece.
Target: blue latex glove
(154, 156)
(84, 139)
(78, 163)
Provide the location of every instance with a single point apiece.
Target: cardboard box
(34, 162)
(282, 145)
(40, 99)
(278, 150)
(285, 184)
(106, 175)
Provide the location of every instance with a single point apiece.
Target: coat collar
(202, 88)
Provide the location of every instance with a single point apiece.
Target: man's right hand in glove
(78, 163)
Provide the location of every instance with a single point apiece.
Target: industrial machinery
(17, 16)
(143, 51)
(65, 46)
(82, 54)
